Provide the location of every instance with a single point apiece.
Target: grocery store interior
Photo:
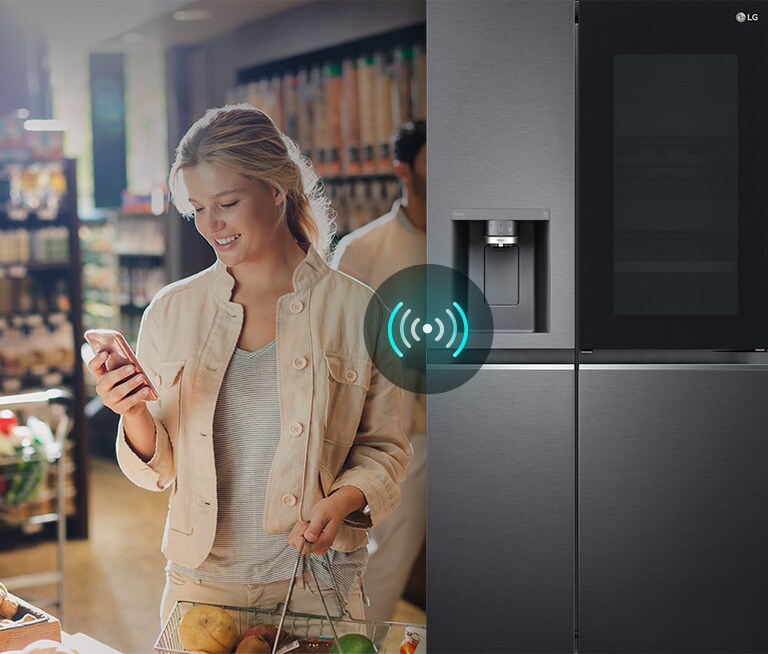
(94, 97)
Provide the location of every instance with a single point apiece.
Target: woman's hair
(245, 140)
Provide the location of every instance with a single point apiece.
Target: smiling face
(238, 216)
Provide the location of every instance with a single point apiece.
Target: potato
(207, 629)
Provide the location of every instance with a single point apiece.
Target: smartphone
(115, 344)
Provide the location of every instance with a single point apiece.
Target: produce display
(211, 630)
(14, 616)
(28, 448)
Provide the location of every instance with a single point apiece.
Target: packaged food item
(350, 119)
(414, 640)
(366, 86)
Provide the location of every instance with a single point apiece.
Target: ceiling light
(45, 126)
(191, 14)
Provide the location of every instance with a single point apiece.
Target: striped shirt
(246, 432)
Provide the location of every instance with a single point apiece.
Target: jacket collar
(309, 271)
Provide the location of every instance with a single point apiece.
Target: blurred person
(372, 254)
(272, 426)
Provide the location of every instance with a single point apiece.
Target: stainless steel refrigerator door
(673, 500)
(501, 132)
(500, 534)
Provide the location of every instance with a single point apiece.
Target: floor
(114, 579)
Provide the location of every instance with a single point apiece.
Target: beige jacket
(337, 412)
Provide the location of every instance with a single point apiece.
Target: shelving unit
(140, 251)
(97, 237)
(40, 300)
(341, 105)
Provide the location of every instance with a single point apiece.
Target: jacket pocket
(180, 504)
(326, 480)
(169, 374)
(348, 381)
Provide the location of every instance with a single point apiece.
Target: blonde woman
(273, 425)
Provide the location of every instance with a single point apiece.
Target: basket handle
(306, 544)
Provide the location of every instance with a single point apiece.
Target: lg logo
(742, 17)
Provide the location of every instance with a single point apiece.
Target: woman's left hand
(325, 519)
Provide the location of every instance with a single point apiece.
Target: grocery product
(353, 644)
(208, 629)
(253, 645)
(414, 640)
(268, 632)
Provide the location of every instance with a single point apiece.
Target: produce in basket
(266, 633)
(253, 645)
(354, 644)
(207, 629)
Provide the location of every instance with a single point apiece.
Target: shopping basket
(387, 635)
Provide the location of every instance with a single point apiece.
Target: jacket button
(350, 375)
(296, 429)
(289, 500)
(300, 363)
(297, 306)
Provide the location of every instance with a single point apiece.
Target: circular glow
(427, 328)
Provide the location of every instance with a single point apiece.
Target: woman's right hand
(114, 387)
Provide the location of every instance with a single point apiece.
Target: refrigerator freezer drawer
(673, 499)
(501, 512)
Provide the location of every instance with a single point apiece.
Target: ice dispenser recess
(506, 253)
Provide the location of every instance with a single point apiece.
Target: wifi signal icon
(427, 328)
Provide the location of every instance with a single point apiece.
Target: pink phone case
(114, 342)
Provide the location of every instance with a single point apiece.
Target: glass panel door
(673, 171)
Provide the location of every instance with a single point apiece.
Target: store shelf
(142, 266)
(341, 105)
(41, 299)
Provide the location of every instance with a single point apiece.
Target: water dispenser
(505, 252)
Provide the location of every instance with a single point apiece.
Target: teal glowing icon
(404, 331)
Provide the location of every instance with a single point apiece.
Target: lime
(354, 644)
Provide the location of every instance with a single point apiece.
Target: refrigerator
(600, 483)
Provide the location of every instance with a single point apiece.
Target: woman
(272, 426)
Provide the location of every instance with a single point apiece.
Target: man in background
(372, 254)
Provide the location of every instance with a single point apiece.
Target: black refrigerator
(601, 484)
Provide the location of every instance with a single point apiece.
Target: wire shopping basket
(301, 626)
(314, 633)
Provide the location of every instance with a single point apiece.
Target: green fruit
(354, 644)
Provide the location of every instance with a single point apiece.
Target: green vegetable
(354, 644)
